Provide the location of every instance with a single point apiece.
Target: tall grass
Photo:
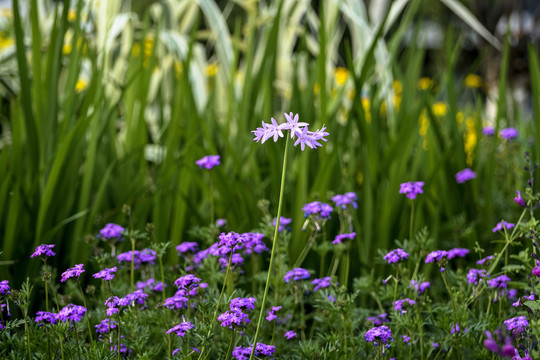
(114, 110)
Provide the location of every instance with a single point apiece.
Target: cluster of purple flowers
(474, 276)
(486, 260)
(508, 133)
(465, 175)
(4, 287)
(340, 237)
(71, 312)
(440, 255)
(318, 209)
(151, 284)
(113, 302)
(296, 129)
(45, 317)
(322, 283)
(73, 272)
(379, 319)
(456, 330)
(378, 334)
(105, 326)
(272, 313)
(492, 345)
(235, 317)
(181, 328)
(411, 189)
(243, 353)
(419, 287)
(187, 246)
(43, 250)
(516, 324)
(395, 256)
(503, 225)
(499, 282)
(111, 231)
(106, 274)
(208, 162)
(345, 200)
(399, 305)
(283, 222)
(144, 256)
(289, 335)
(296, 274)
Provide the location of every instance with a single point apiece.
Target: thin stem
(396, 281)
(212, 215)
(87, 317)
(266, 287)
(77, 340)
(132, 275)
(411, 224)
(27, 336)
(60, 341)
(306, 249)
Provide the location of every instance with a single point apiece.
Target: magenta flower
(296, 274)
(379, 334)
(474, 276)
(289, 335)
(322, 283)
(508, 133)
(106, 274)
(411, 189)
(73, 272)
(339, 238)
(181, 328)
(516, 324)
(4, 287)
(419, 287)
(488, 131)
(395, 256)
(43, 317)
(111, 231)
(519, 200)
(465, 175)
(272, 313)
(208, 162)
(187, 246)
(318, 209)
(43, 249)
(499, 282)
(346, 199)
(243, 353)
(71, 312)
(399, 305)
(283, 222)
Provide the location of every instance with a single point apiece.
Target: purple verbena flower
(296, 274)
(411, 189)
(474, 276)
(419, 287)
(283, 222)
(187, 281)
(208, 162)
(43, 249)
(395, 256)
(490, 343)
(138, 296)
(379, 319)
(500, 282)
(71, 312)
(465, 175)
(322, 283)
(73, 272)
(111, 231)
(105, 326)
(181, 328)
(508, 133)
(106, 274)
(516, 324)
(437, 255)
(503, 225)
(318, 209)
(456, 330)
(4, 287)
(346, 199)
(486, 260)
(379, 334)
(187, 246)
(242, 304)
(243, 353)
(339, 238)
(233, 318)
(43, 317)
(271, 313)
(289, 335)
(488, 131)
(252, 243)
(457, 252)
(399, 305)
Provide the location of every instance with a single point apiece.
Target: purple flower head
(4, 287)
(230, 241)
(221, 222)
(456, 330)
(43, 249)
(345, 200)
(322, 283)
(139, 257)
(536, 270)
(233, 318)
(516, 324)
(379, 319)
(508, 133)
(486, 260)
(465, 175)
(379, 334)
(289, 335)
(406, 338)
(457, 252)
(73, 272)
(43, 317)
(178, 301)
(519, 200)
(253, 243)
(208, 162)
(499, 282)
(71, 312)
(474, 276)
(503, 225)
(180, 329)
(187, 281)
(187, 247)
(138, 296)
(339, 238)
(296, 274)
(411, 189)
(395, 256)
(399, 305)
(292, 124)
(490, 343)
(243, 353)
(105, 326)
(243, 304)
(488, 131)
(106, 274)
(419, 287)
(111, 231)
(318, 209)
(236, 260)
(283, 222)
(271, 313)
(437, 255)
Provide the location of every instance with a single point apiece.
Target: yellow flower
(316, 88)
(470, 140)
(439, 108)
(66, 49)
(81, 85)
(136, 49)
(423, 121)
(366, 105)
(398, 86)
(473, 81)
(425, 83)
(396, 100)
(178, 67)
(211, 69)
(5, 42)
(459, 117)
(72, 15)
(341, 75)
(6, 12)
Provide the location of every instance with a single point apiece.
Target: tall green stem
(87, 317)
(267, 286)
